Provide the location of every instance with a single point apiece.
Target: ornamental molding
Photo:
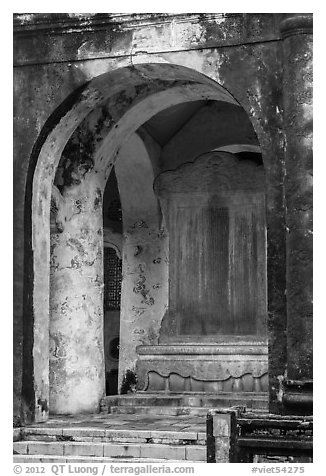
(74, 22)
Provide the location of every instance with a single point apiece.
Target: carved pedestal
(235, 366)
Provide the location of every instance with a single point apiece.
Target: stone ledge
(198, 367)
(69, 39)
(61, 22)
(226, 348)
(32, 459)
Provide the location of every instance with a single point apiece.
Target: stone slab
(83, 449)
(43, 438)
(86, 439)
(176, 435)
(45, 448)
(119, 450)
(82, 431)
(86, 459)
(196, 453)
(38, 459)
(162, 451)
(126, 440)
(159, 411)
(44, 430)
(124, 433)
(20, 447)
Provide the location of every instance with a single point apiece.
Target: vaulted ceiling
(165, 125)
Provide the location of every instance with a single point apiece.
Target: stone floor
(105, 437)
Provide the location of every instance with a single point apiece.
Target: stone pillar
(145, 266)
(296, 32)
(221, 436)
(77, 374)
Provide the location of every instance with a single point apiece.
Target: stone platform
(137, 427)
(116, 438)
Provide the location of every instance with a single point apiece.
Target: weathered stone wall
(57, 54)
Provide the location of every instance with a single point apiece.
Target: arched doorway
(87, 141)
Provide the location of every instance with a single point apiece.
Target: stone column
(221, 436)
(296, 32)
(77, 374)
(145, 268)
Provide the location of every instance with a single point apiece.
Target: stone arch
(147, 93)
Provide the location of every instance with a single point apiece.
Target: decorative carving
(238, 367)
(140, 287)
(211, 172)
(174, 382)
(139, 224)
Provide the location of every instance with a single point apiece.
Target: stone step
(158, 411)
(252, 401)
(107, 435)
(110, 450)
(90, 459)
(171, 410)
